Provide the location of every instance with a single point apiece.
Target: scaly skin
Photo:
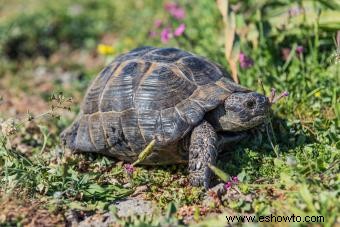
(205, 145)
(202, 151)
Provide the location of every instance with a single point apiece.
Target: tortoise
(188, 105)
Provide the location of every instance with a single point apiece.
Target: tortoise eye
(250, 104)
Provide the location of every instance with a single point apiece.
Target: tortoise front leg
(202, 151)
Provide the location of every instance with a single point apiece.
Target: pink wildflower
(235, 179)
(179, 30)
(178, 13)
(166, 35)
(129, 169)
(228, 185)
(299, 50)
(285, 94)
(273, 98)
(175, 10)
(245, 61)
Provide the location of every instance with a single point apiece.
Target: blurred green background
(54, 47)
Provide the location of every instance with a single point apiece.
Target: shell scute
(93, 94)
(96, 131)
(162, 89)
(83, 139)
(191, 111)
(132, 131)
(118, 93)
(203, 72)
(114, 135)
(173, 125)
(147, 122)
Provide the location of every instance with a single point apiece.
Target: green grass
(299, 175)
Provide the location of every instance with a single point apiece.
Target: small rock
(125, 208)
(134, 206)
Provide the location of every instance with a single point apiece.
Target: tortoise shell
(149, 93)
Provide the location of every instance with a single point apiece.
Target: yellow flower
(317, 94)
(105, 49)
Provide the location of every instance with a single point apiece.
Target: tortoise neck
(213, 117)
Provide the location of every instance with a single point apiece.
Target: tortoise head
(241, 111)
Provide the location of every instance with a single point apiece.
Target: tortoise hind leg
(202, 151)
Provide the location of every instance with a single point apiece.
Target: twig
(260, 82)
(270, 140)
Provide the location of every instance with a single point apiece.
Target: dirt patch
(18, 103)
(28, 213)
